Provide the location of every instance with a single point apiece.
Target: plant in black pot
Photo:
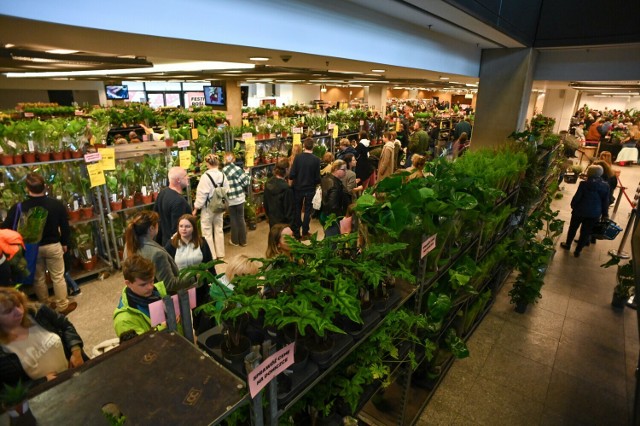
(14, 400)
(625, 282)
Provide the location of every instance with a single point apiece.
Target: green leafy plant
(13, 395)
(625, 278)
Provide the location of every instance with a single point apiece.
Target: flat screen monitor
(215, 96)
(117, 92)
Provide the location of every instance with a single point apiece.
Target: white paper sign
(428, 245)
(183, 144)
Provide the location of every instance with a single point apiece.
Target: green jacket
(127, 318)
(419, 142)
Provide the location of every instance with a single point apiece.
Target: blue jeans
(301, 198)
(72, 285)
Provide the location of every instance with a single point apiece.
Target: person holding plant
(589, 204)
(36, 343)
(52, 245)
(132, 313)
(139, 240)
(278, 196)
(211, 222)
(350, 181)
(171, 204)
(277, 242)
(239, 180)
(188, 248)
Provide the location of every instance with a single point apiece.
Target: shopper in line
(53, 244)
(589, 204)
(463, 126)
(188, 248)
(171, 204)
(36, 343)
(364, 170)
(132, 313)
(278, 196)
(417, 167)
(305, 174)
(419, 141)
(139, 239)
(350, 181)
(335, 199)
(211, 222)
(277, 241)
(386, 166)
(238, 183)
(344, 149)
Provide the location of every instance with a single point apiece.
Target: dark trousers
(587, 224)
(238, 226)
(302, 198)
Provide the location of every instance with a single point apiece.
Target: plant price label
(183, 144)
(89, 254)
(428, 245)
(270, 368)
(76, 206)
(246, 136)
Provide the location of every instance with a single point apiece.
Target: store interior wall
(609, 103)
(560, 104)
(342, 94)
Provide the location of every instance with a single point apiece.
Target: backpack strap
(211, 179)
(17, 216)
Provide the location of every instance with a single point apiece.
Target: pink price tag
(156, 309)
(90, 158)
(28, 114)
(183, 144)
(270, 368)
(428, 245)
(76, 112)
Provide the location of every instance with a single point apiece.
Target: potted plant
(74, 133)
(250, 215)
(625, 282)
(84, 244)
(115, 188)
(14, 400)
(86, 209)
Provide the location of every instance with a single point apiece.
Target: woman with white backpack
(211, 201)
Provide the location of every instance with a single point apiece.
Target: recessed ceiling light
(345, 72)
(259, 58)
(61, 51)
(234, 71)
(378, 70)
(9, 45)
(444, 78)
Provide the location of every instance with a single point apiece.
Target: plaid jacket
(238, 181)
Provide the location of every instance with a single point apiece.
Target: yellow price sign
(335, 131)
(245, 122)
(108, 161)
(250, 151)
(296, 139)
(398, 125)
(185, 159)
(96, 174)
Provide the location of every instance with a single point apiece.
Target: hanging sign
(96, 174)
(270, 368)
(108, 161)
(245, 122)
(183, 144)
(185, 159)
(295, 130)
(398, 126)
(250, 151)
(427, 245)
(194, 134)
(247, 135)
(296, 139)
(335, 131)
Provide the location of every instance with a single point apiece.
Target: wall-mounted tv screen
(117, 92)
(215, 96)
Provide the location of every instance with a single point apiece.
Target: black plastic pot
(235, 354)
(618, 302)
(521, 307)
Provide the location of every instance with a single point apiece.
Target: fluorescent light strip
(62, 51)
(345, 72)
(621, 94)
(185, 66)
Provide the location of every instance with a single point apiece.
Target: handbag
(316, 201)
(606, 230)
(21, 223)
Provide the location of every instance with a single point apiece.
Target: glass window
(172, 99)
(137, 96)
(163, 86)
(156, 100)
(197, 87)
(134, 85)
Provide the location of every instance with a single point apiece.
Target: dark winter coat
(591, 199)
(335, 199)
(278, 201)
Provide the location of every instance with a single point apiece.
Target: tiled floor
(569, 360)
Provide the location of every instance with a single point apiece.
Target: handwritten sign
(108, 160)
(156, 309)
(270, 368)
(96, 174)
(183, 144)
(250, 151)
(247, 135)
(335, 132)
(428, 245)
(185, 159)
(296, 139)
(295, 130)
(94, 156)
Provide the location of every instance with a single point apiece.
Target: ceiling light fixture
(444, 78)
(61, 51)
(323, 88)
(378, 70)
(184, 66)
(621, 94)
(345, 72)
(259, 58)
(9, 45)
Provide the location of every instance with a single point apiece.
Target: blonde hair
(241, 265)
(273, 241)
(10, 298)
(606, 156)
(345, 142)
(212, 159)
(337, 165)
